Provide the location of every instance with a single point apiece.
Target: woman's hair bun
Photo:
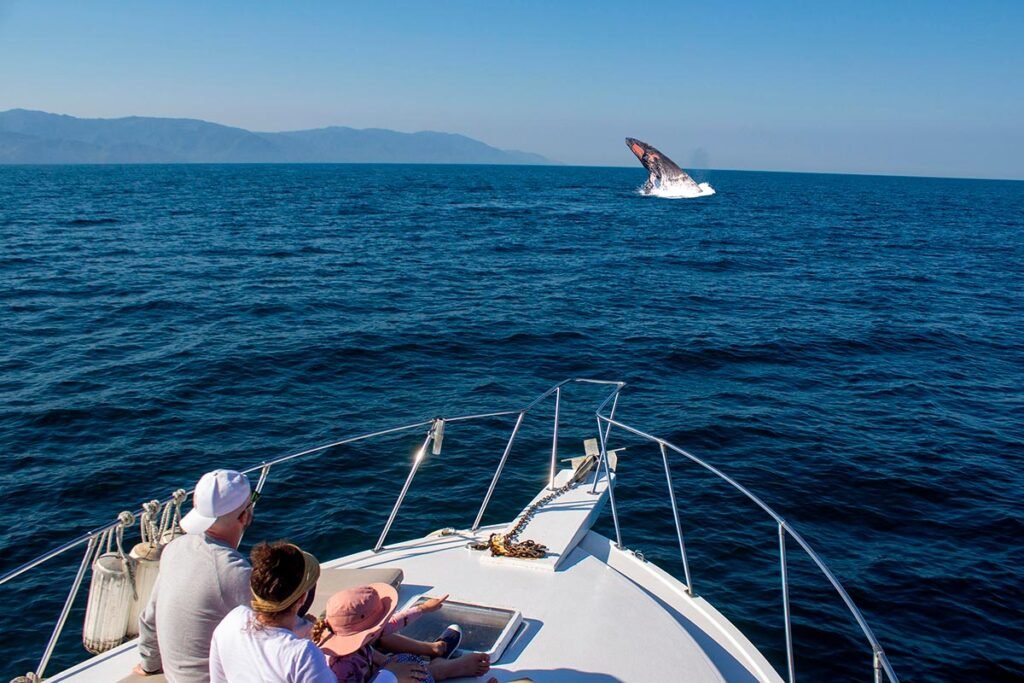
(277, 570)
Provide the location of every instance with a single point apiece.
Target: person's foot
(468, 665)
(450, 639)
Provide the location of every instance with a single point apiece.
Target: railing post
(420, 454)
(264, 473)
(675, 516)
(59, 627)
(877, 659)
(497, 472)
(611, 415)
(603, 458)
(785, 601)
(554, 440)
(602, 436)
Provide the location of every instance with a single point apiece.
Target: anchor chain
(509, 545)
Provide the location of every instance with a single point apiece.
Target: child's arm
(403, 619)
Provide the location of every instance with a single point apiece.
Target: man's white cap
(217, 493)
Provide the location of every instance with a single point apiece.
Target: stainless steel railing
(435, 429)
(880, 662)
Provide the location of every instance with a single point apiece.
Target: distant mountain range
(35, 137)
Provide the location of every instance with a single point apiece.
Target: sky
(905, 88)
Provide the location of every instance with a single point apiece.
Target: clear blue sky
(921, 88)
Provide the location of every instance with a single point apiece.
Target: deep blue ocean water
(848, 347)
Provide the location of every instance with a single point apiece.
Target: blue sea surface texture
(847, 347)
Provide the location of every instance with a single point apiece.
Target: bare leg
(396, 642)
(472, 664)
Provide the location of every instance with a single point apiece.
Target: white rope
(171, 520)
(165, 520)
(148, 528)
(126, 519)
(102, 539)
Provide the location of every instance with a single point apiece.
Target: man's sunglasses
(252, 502)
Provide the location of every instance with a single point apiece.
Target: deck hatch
(484, 628)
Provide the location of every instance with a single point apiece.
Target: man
(202, 578)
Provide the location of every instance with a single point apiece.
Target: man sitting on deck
(202, 578)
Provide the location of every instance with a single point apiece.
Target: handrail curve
(876, 647)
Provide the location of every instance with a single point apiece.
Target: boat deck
(604, 616)
(591, 612)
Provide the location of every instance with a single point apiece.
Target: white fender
(110, 598)
(147, 566)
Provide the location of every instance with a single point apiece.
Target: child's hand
(433, 604)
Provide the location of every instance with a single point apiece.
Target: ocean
(847, 347)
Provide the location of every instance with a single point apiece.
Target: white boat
(588, 610)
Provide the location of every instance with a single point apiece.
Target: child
(358, 617)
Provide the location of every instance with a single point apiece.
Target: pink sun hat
(356, 616)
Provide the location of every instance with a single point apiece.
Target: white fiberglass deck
(589, 621)
(605, 616)
(602, 616)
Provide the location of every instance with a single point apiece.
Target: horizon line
(555, 164)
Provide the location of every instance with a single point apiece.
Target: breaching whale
(666, 179)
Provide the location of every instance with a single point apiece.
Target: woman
(261, 643)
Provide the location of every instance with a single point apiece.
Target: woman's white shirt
(243, 650)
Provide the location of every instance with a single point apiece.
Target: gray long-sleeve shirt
(200, 581)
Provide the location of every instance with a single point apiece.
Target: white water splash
(678, 191)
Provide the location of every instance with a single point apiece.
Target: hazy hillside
(34, 137)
